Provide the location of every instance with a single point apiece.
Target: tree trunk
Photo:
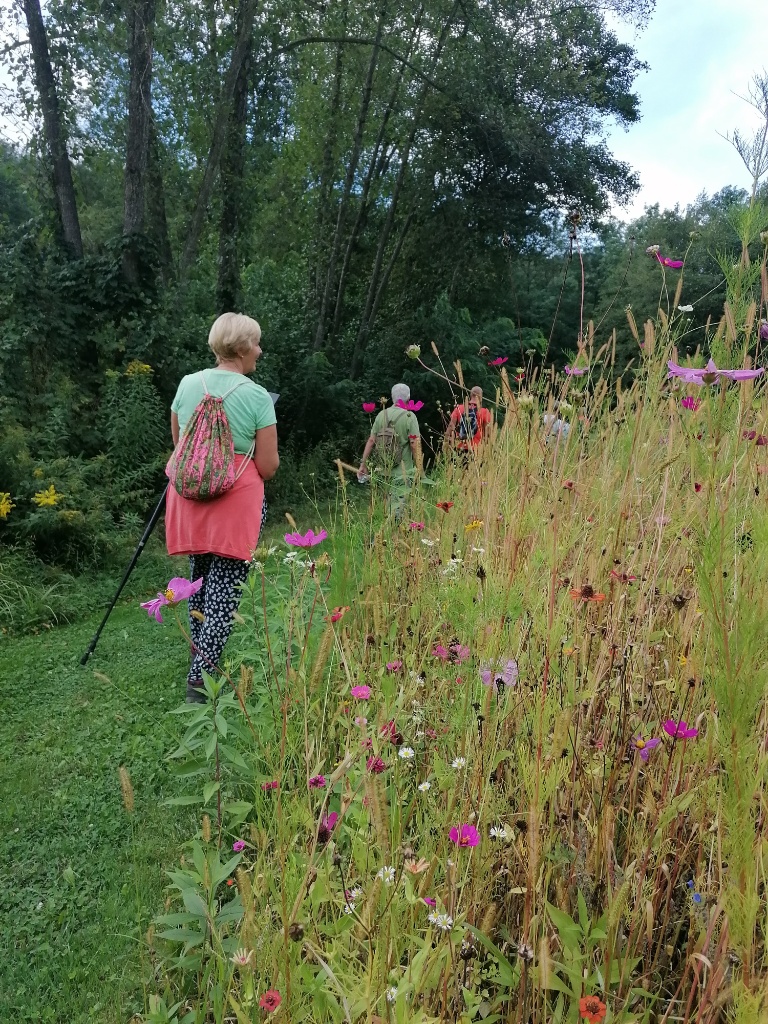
(141, 20)
(377, 283)
(245, 17)
(156, 215)
(349, 178)
(64, 189)
(228, 287)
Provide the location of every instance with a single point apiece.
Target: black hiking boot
(196, 694)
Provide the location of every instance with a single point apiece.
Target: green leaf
(507, 973)
(194, 903)
(182, 801)
(189, 936)
(209, 789)
(583, 912)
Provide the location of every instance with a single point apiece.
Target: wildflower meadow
(502, 758)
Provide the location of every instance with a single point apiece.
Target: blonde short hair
(232, 335)
(477, 393)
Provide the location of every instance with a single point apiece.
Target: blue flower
(690, 883)
(697, 897)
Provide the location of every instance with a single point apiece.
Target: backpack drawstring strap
(252, 450)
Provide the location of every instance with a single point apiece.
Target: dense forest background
(357, 176)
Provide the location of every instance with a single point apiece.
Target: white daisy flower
(391, 994)
(443, 922)
(459, 762)
(424, 786)
(406, 753)
(386, 874)
(349, 908)
(427, 542)
(499, 832)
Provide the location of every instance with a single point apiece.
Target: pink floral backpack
(202, 466)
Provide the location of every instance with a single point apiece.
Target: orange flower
(446, 506)
(592, 1009)
(586, 593)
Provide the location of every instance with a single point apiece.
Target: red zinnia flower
(592, 1009)
(270, 1000)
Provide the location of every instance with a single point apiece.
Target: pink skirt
(228, 526)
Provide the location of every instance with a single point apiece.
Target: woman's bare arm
(266, 457)
(175, 428)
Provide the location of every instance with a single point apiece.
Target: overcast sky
(699, 52)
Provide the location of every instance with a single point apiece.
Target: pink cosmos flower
(679, 730)
(690, 403)
(394, 666)
(665, 261)
(499, 362)
(500, 674)
(390, 732)
(375, 765)
(710, 374)
(309, 540)
(317, 782)
(575, 371)
(361, 692)
(643, 747)
(764, 330)
(239, 846)
(177, 590)
(270, 785)
(326, 827)
(429, 901)
(464, 835)
(416, 526)
(410, 405)
(369, 407)
(458, 653)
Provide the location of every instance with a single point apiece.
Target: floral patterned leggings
(216, 601)
(215, 604)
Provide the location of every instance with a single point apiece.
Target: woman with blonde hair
(220, 534)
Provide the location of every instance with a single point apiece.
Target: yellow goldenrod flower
(5, 504)
(136, 368)
(48, 497)
(476, 524)
(682, 660)
(38, 474)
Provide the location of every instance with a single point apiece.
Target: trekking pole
(145, 537)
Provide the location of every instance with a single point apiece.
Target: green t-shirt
(248, 409)
(404, 425)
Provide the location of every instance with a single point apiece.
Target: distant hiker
(469, 422)
(394, 448)
(556, 428)
(224, 410)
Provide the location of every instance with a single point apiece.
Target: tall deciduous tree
(141, 18)
(55, 135)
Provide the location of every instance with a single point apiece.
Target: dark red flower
(446, 506)
(375, 765)
(270, 1000)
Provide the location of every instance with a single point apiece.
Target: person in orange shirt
(467, 428)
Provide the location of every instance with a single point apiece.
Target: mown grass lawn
(80, 878)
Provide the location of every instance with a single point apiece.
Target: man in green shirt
(396, 439)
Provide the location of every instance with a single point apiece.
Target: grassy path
(80, 878)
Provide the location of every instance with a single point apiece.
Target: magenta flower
(239, 846)
(690, 403)
(464, 835)
(375, 765)
(575, 371)
(309, 540)
(361, 692)
(500, 674)
(763, 330)
(429, 901)
(326, 827)
(317, 782)
(679, 730)
(416, 526)
(438, 651)
(390, 732)
(643, 747)
(710, 374)
(459, 653)
(665, 261)
(177, 590)
(410, 405)
(369, 407)
(270, 785)
(394, 666)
